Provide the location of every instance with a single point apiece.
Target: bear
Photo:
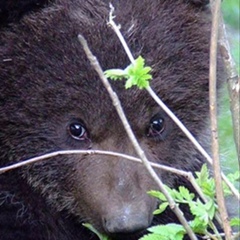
(51, 99)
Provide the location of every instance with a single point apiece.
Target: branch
(32, 160)
(213, 118)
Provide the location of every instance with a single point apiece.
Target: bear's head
(52, 99)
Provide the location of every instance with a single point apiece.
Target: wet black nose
(124, 225)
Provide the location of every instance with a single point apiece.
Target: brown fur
(47, 83)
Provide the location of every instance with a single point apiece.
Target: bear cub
(51, 99)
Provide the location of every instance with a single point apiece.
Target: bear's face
(52, 99)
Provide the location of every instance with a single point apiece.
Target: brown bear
(51, 99)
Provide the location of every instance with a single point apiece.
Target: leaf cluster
(203, 213)
(137, 74)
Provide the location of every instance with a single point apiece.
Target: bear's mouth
(128, 236)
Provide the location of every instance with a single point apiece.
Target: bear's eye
(77, 131)
(156, 127)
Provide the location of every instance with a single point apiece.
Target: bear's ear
(13, 10)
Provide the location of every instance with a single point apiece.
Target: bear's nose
(126, 223)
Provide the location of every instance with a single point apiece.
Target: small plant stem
(165, 108)
(94, 62)
(213, 118)
(212, 236)
(214, 228)
(116, 28)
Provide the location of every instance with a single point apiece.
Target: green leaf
(210, 208)
(235, 221)
(157, 194)
(198, 226)
(152, 236)
(205, 182)
(203, 212)
(115, 74)
(100, 235)
(138, 74)
(233, 178)
(176, 195)
(170, 231)
(162, 208)
(185, 193)
(130, 82)
(198, 209)
(203, 175)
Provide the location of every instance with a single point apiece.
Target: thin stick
(213, 117)
(140, 152)
(90, 152)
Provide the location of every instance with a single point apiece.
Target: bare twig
(133, 139)
(166, 109)
(213, 117)
(235, 236)
(32, 160)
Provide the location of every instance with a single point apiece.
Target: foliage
(100, 235)
(171, 231)
(230, 9)
(203, 213)
(231, 12)
(136, 74)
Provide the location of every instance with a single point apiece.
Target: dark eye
(77, 131)
(156, 127)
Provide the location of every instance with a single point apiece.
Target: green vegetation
(137, 74)
(203, 213)
(230, 10)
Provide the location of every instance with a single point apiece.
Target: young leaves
(235, 222)
(206, 183)
(203, 213)
(136, 74)
(170, 231)
(91, 228)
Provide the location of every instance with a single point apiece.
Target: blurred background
(230, 10)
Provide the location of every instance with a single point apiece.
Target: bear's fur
(49, 91)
